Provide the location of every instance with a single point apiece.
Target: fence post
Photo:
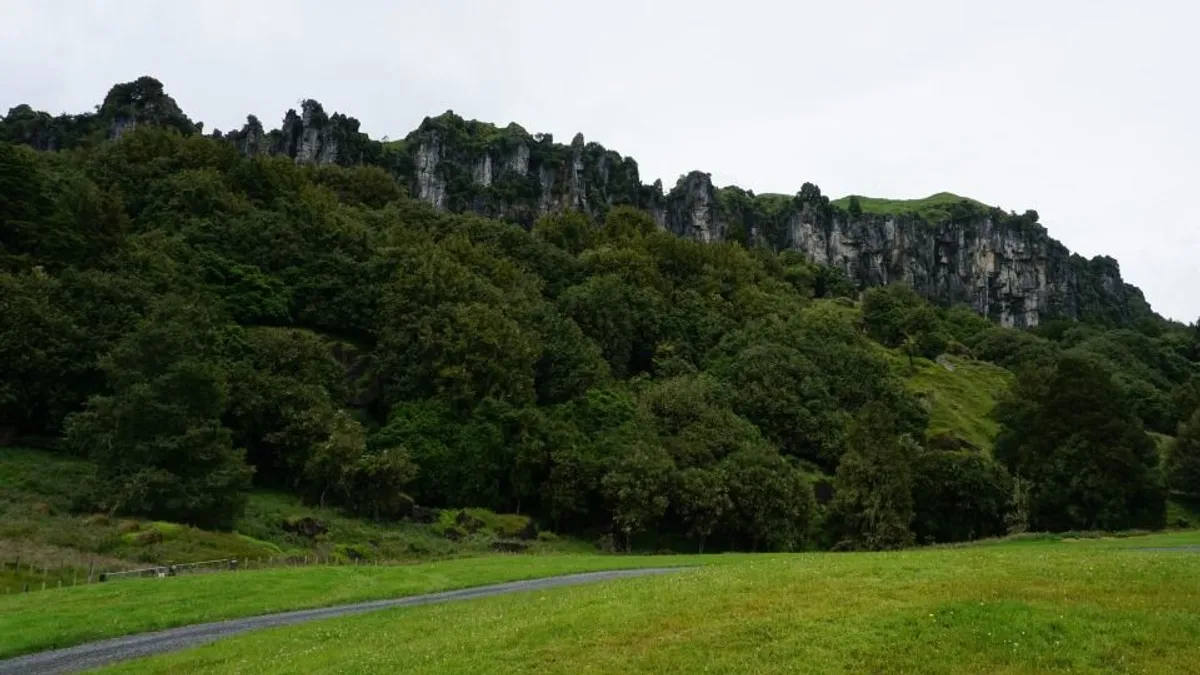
(91, 568)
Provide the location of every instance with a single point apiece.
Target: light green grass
(67, 616)
(961, 401)
(934, 208)
(1092, 606)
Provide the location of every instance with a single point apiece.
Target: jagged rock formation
(127, 105)
(1003, 265)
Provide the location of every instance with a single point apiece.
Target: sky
(1087, 111)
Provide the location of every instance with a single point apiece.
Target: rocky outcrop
(251, 140)
(309, 138)
(692, 210)
(1002, 265)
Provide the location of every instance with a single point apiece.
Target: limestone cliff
(1003, 265)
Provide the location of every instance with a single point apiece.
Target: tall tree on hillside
(1090, 463)
(158, 443)
(873, 502)
(1183, 460)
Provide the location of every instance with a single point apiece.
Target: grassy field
(1033, 605)
(961, 400)
(934, 208)
(67, 616)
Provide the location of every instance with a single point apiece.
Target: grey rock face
(430, 185)
(691, 209)
(309, 138)
(250, 140)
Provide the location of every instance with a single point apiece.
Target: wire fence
(162, 571)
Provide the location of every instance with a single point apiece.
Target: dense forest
(198, 321)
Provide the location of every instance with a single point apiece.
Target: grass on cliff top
(961, 400)
(1092, 606)
(934, 208)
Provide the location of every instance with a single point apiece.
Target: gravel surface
(104, 652)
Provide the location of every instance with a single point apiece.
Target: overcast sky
(1087, 111)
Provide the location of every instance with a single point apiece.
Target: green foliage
(637, 487)
(873, 489)
(158, 439)
(772, 501)
(896, 316)
(958, 496)
(1090, 463)
(1183, 460)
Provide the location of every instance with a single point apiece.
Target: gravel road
(104, 652)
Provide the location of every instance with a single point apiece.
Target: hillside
(217, 334)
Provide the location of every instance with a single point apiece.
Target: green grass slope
(43, 541)
(961, 400)
(934, 208)
(1091, 606)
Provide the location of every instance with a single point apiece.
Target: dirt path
(105, 652)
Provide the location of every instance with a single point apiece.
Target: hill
(226, 332)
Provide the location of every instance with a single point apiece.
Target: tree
(571, 231)
(958, 496)
(1089, 462)
(855, 207)
(873, 488)
(622, 318)
(896, 316)
(376, 482)
(783, 393)
(1183, 459)
(157, 440)
(701, 497)
(772, 501)
(637, 487)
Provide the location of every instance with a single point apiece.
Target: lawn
(68, 616)
(1092, 605)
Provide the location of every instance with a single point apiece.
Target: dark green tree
(873, 489)
(958, 496)
(1183, 460)
(1089, 462)
(157, 440)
